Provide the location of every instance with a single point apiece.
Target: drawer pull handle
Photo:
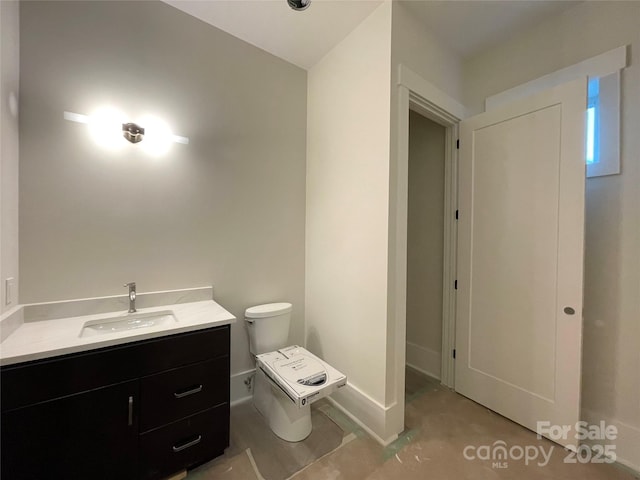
(130, 418)
(184, 446)
(186, 393)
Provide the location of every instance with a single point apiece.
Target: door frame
(415, 93)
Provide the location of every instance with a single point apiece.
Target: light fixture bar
(76, 117)
(179, 139)
(79, 118)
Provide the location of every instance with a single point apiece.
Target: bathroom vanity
(139, 409)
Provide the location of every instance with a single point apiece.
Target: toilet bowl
(288, 378)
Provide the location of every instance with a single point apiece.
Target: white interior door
(520, 258)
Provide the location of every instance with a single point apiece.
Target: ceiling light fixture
(299, 5)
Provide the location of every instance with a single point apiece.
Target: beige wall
(347, 208)
(226, 210)
(9, 148)
(425, 238)
(417, 48)
(611, 351)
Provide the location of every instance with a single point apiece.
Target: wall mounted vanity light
(108, 128)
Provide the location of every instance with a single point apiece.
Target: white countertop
(34, 340)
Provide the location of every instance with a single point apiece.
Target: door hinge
(458, 144)
(454, 353)
(455, 285)
(456, 214)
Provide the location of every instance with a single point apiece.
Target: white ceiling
(303, 38)
(470, 26)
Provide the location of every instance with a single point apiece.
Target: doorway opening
(417, 95)
(425, 254)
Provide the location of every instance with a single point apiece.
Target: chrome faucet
(132, 296)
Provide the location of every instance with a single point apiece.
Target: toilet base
(285, 419)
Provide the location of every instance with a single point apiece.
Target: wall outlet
(9, 291)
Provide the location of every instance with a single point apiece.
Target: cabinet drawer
(181, 392)
(185, 443)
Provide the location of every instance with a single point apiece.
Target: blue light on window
(593, 124)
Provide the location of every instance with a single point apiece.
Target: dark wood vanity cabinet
(141, 410)
(79, 436)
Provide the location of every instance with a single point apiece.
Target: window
(603, 125)
(593, 113)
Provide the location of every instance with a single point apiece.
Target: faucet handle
(130, 284)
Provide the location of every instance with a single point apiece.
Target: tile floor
(439, 425)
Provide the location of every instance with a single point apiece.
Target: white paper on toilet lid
(300, 374)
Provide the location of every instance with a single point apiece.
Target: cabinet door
(91, 435)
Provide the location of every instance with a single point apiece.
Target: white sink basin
(124, 323)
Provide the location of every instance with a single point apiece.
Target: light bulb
(105, 126)
(157, 136)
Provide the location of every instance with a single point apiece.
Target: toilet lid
(301, 369)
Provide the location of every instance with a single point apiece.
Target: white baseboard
(357, 405)
(627, 443)
(424, 360)
(364, 410)
(239, 391)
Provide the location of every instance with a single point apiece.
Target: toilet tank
(268, 327)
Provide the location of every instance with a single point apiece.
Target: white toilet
(288, 378)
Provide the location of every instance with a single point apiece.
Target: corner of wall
(347, 218)
(9, 151)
